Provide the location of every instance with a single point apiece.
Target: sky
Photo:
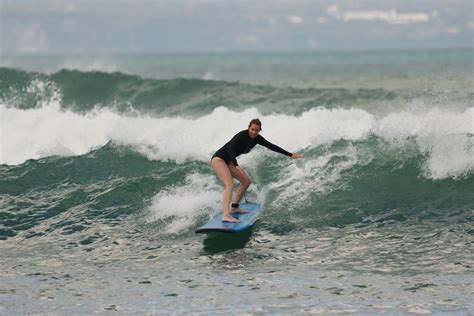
(198, 26)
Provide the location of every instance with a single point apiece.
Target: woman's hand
(296, 156)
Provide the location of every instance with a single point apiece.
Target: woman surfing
(225, 165)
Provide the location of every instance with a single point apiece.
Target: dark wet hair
(256, 122)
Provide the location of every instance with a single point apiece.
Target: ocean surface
(105, 175)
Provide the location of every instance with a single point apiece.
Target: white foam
(297, 181)
(433, 122)
(183, 204)
(50, 130)
(101, 65)
(36, 133)
(53, 65)
(449, 157)
(209, 75)
(445, 137)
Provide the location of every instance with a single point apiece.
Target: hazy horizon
(209, 26)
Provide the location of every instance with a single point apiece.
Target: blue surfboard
(246, 221)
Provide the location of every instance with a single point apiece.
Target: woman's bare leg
(222, 170)
(245, 181)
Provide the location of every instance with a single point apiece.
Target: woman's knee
(247, 181)
(229, 185)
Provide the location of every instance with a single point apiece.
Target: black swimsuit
(241, 143)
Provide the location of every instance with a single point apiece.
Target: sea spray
(179, 206)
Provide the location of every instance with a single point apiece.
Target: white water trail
(181, 205)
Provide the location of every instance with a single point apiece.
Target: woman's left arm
(262, 141)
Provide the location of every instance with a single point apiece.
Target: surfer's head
(255, 126)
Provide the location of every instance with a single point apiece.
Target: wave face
(82, 148)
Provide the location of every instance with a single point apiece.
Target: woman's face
(254, 129)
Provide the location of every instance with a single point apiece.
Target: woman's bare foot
(238, 210)
(230, 219)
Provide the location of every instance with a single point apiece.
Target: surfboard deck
(246, 221)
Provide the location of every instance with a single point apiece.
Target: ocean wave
(340, 183)
(444, 137)
(96, 146)
(83, 91)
